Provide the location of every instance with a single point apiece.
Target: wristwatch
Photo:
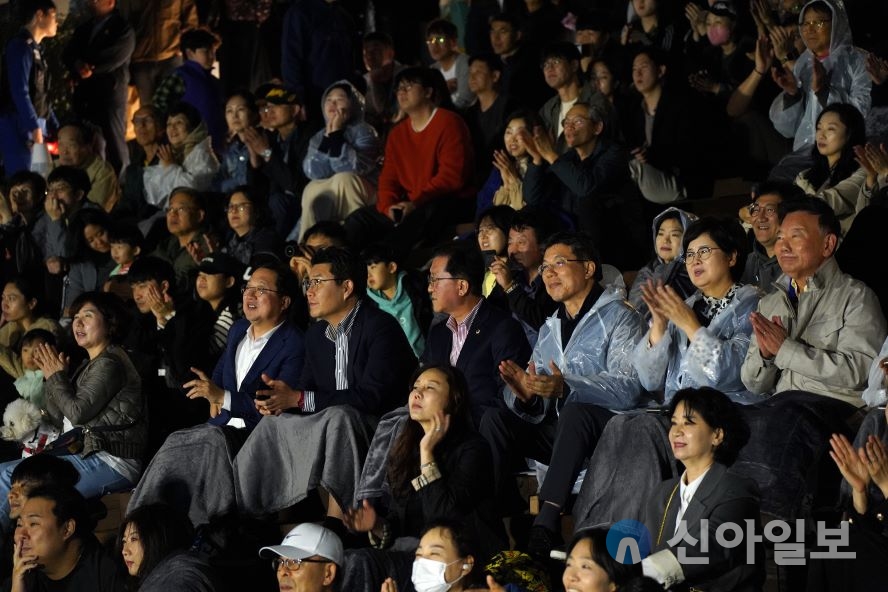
(266, 154)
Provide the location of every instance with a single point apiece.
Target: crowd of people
(235, 234)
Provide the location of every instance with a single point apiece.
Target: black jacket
(108, 51)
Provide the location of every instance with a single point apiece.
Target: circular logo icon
(628, 541)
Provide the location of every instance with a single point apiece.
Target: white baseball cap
(307, 540)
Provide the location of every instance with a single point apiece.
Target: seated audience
(77, 148)
(126, 245)
(667, 265)
(590, 564)
(706, 435)
(581, 374)
(381, 108)
(493, 235)
(29, 377)
(342, 162)
(596, 44)
(21, 313)
(103, 397)
(477, 336)
(437, 466)
(251, 228)
(522, 77)
(648, 26)
(24, 226)
(66, 195)
(218, 283)
(444, 542)
(187, 161)
(90, 264)
(319, 236)
(149, 126)
(505, 185)
(185, 216)
(762, 268)
(487, 116)
(309, 559)
(55, 547)
(154, 542)
(443, 45)
(241, 113)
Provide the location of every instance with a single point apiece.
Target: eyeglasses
(177, 209)
(558, 265)
(439, 40)
(819, 25)
(552, 63)
(241, 207)
(703, 253)
(577, 121)
(433, 281)
(405, 87)
(315, 283)
(259, 292)
(293, 564)
(755, 209)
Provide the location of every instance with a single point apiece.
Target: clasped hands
(769, 335)
(527, 384)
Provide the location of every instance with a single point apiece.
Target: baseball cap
(307, 540)
(279, 95)
(723, 8)
(221, 263)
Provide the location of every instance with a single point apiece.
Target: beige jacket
(843, 197)
(833, 337)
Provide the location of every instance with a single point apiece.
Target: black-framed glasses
(178, 209)
(293, 564)
(309, 283)
(756, 209)
(245, 290)
(240, 208)
(558, 264)
(576, 121)
(703, 253)
(433, 281)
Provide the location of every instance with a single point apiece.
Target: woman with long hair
(20, 308)
(241, 114)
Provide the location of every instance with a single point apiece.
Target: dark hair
(595, 113)
(76, 178)
(531, 119)
(560, 49)
(492, 60)
(332, 230)
(344, 265)
(501, 216)
(379, 253)
(379, 37)
(855, 125)
(27, 287)
(582, 246)
(430, 79)
(403, 458)
(618, 573)
(284, 282)
(198, 38)
(186, 110)
(540, 221)
(147, 269)
(108, 305)
(86, 131)
(506, 17)
(248, 97)
(442, 27)
(69, 504)
(657, 56)
(819, 6)
(464, 261)
(127, 234)
(162, 531)
(154, 113)
(45, 469)
(727, 234)
(193, 194)
(38, 335)
(719, 413)
(784, 189)
(77, 228)
(461, 534)
(33, 180)
(28, 8)
(826, 216)
(641, 584)
(262, 217)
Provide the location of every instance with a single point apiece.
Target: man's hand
(277, 398)
(203, 387)
(165, 155)
(406, 208)
(545, 144)
(161, 304)
(770, 335)
(54, 207)
(500, 270)
(514, 376)
(548, 387)
(819, 76)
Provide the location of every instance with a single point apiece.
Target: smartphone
(398, 215)
(489, 258)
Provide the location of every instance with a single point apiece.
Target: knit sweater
(429, 164)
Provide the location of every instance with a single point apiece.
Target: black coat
(108, 51)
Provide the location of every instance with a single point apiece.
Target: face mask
(718, 34)
(428, 575)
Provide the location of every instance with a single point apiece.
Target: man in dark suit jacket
(356, 354)
(477, 336)
(98, 57)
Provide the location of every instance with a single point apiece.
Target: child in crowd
(126, 244)
(398, 293)
(667, 263)
(29, 382)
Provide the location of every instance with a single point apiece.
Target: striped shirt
(461, 332)
(338, 334)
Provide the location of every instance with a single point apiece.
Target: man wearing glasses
(443, 46)
(184, 220)
(308, 559)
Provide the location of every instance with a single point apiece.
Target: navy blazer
(282, 358)
(493, 338)
(380, 362)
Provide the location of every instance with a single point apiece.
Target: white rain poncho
(846, 76)
(712, 359)
(597, 362)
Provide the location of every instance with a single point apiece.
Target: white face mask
(428, 575)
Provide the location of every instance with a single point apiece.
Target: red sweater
(426, 165)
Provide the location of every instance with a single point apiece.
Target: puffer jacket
(105, 391)
(848, 82)
(712, 359)
(833, 336)
(597, 362)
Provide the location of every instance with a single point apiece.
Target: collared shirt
(686, 494)
(339, 335)
(461, 332)
(245, 356)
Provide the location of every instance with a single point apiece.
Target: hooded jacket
(848, 82)
(354, 149)
(673, 274)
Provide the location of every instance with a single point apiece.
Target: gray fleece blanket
(632, 457)
(288, 456)
(373, 483)
(193, 471)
